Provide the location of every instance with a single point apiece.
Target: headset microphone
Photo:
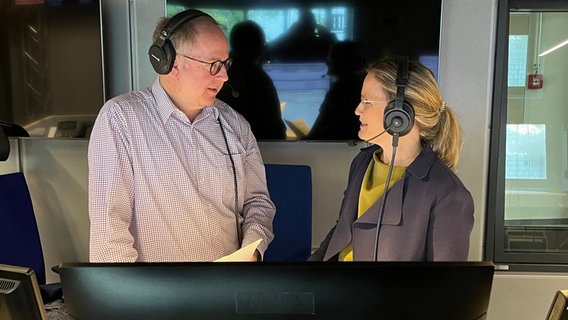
(378, 135)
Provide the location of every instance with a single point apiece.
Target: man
(174, 173)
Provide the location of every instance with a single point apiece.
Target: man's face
(198, 87)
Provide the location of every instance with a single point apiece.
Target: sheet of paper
(243, 254)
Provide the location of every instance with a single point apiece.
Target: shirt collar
(166, 107)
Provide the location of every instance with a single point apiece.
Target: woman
(427, 214)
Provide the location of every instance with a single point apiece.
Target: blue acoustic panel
(290, 188)
(19, 236)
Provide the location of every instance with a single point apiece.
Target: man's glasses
(215, 66)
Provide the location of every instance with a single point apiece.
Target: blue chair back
(20, 243)
(290, 188)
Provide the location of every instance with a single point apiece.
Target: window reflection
(52, 63)
(298, 65)
(40, 89)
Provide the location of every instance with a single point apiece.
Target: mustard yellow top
(372, 189)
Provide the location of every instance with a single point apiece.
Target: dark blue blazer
(428, 215)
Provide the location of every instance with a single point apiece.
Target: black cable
(382, 205)
(239, 227)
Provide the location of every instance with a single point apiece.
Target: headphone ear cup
(398, 120)
(162, 52)
(162, 57)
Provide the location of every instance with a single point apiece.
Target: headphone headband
(399, 114)
(180, 18)
(401, 80)
(162, 52)
(402, 75)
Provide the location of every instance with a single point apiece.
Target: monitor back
(314, 290)
(559, 307)
(20, 297)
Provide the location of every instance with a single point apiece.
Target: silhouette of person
(336, 119)
(251, 91)
(305, 40)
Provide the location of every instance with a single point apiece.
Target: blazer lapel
(365, 228)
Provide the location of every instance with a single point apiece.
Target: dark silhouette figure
(250, 90)
(337, 119)
(305, 40)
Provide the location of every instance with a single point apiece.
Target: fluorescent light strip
(554, 48)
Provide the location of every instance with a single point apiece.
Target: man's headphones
(162, 52)
(399, 114)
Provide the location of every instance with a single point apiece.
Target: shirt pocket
(234, 182)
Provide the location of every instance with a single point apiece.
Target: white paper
(243, 254)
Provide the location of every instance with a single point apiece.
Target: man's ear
(175, 68)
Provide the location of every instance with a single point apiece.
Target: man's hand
(255, 256)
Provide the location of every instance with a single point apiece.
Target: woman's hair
(437, 123)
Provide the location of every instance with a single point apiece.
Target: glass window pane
(517, 60)
(536, 164)
(526, 152)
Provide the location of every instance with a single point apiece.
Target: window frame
(495, 219)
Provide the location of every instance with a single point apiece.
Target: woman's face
(370, 111)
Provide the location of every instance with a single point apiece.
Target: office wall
(128, 27)
(57, 176)
(465, 77)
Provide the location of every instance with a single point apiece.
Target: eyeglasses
(215, 66)
(367, 101)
